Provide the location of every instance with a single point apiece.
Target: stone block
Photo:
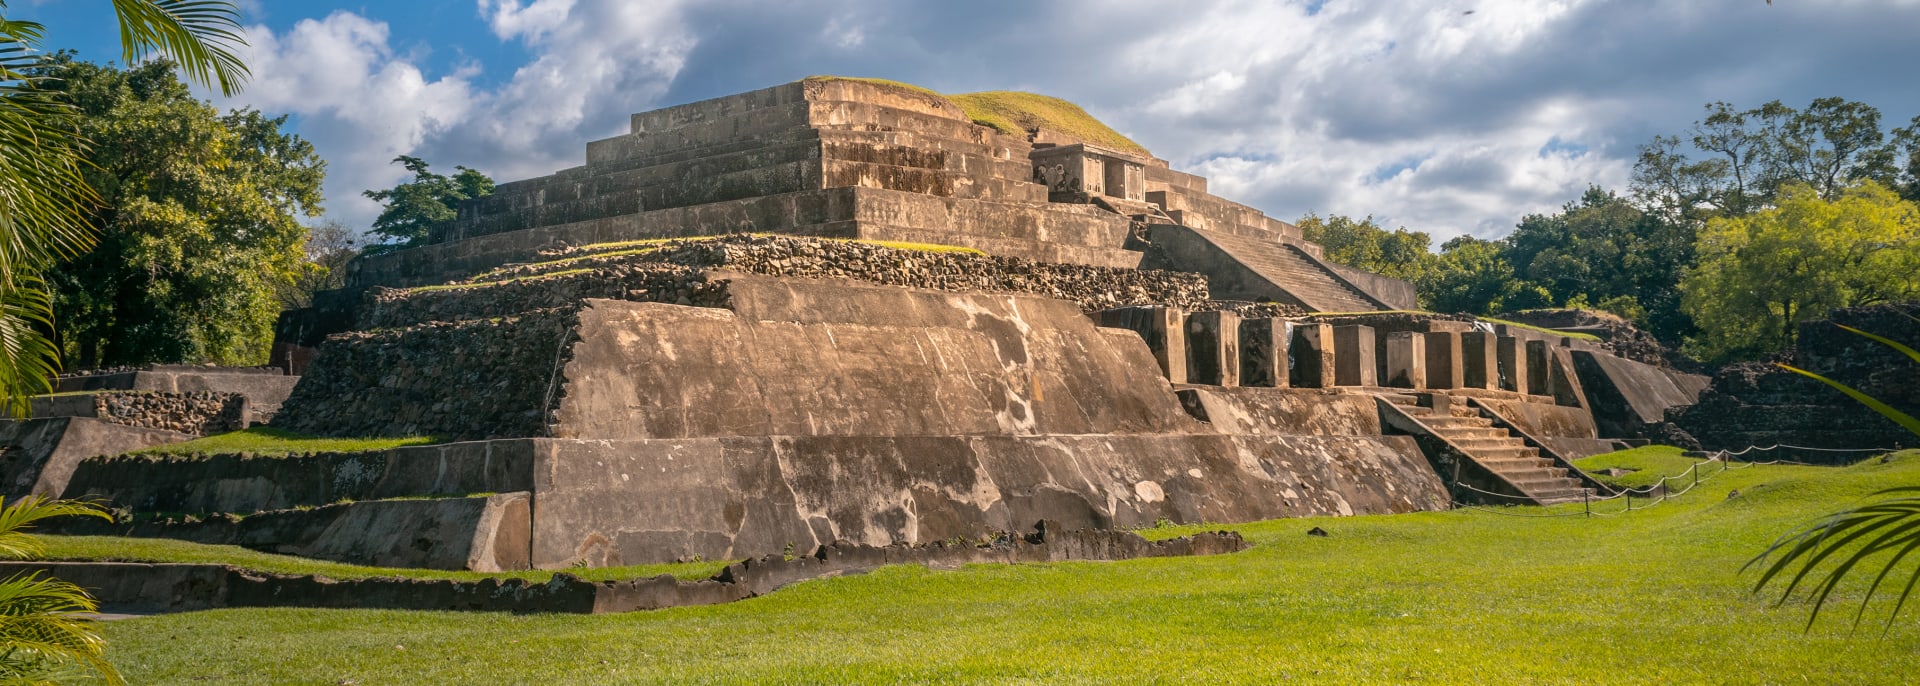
(1406, 360)
(1311, 354)
(1354, 356)
(1512, 357)
(1443, 360)
(1263, 352)
(1213, 348)
(1161, 327)
(1478, 365)
(1539, 361)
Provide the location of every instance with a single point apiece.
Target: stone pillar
(1478, 365)
(1512, 354)
(1539, 362)
(1406, 360)
(1354, 361)
(1263, 352)
(1164, 328)
(1213, 348)
(1443, 360)
(1312, 353)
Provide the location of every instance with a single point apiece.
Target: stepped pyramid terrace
(844, 310)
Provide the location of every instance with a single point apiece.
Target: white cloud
(359, 103)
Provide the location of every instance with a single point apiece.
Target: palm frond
(1849, 538)
(45, 627)
(201, 35)
(16, 544)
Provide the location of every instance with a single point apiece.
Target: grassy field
(1645, 466)
(1468, 596)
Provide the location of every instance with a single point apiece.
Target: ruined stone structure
(902, 327)
(1760, 404)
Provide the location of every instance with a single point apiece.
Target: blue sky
(1453, 117)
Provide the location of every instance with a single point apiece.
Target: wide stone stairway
(1498, 450)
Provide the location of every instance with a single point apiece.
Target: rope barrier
(1721, 457)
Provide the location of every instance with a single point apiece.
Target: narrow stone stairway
(1285, 266)
(1500, 451)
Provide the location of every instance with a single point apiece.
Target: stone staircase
(1288, 268)
(1499, 451)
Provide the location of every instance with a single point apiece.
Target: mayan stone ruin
(839, 311)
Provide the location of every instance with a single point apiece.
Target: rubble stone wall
(672, 275)
(1759, 404)
(473, 379)
(197, 412)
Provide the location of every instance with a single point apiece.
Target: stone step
(603, 180)
(1449, 421)
(776, 120)
(935, 182)
(1041, 251)
(784, 178)
(1477, 444)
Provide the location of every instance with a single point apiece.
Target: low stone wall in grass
(143, 587)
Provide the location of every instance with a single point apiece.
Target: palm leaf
(1901, 418)
(45, 627)
(1850, 537)
(201, 35)
(16, 544)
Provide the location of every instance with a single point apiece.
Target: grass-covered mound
(1472, 596)
(1015, 113)
(1643, 466)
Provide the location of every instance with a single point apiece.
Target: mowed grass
(262, 440)
(1462, 597)
(1646, 466)
(120, 549)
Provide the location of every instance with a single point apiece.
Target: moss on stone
(267, 441)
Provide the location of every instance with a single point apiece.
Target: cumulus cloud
(1453, 118)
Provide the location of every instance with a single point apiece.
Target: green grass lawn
(1647, 466)
(262, 440)
(1653, 596)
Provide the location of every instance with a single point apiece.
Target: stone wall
(670, 274)
(471, 379)
(145, 587)
(200, 413)
(1759, 404)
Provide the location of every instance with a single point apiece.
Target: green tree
(413, 207)
(1602, 252)
(1473, 276)
(1751, 153)
(43, 195)
(46, 634)
(1758, 276)
(198, 217)
(1365, 244)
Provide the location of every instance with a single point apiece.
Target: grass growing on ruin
(267, 441)
(1648, 465)
(1015, 112)
(118, 549)
(496, 282)
(1654, 596)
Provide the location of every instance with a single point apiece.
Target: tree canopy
(1761, 274)
(412, 207)
(198, 220)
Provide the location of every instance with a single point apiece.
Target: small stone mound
(1617, 335)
